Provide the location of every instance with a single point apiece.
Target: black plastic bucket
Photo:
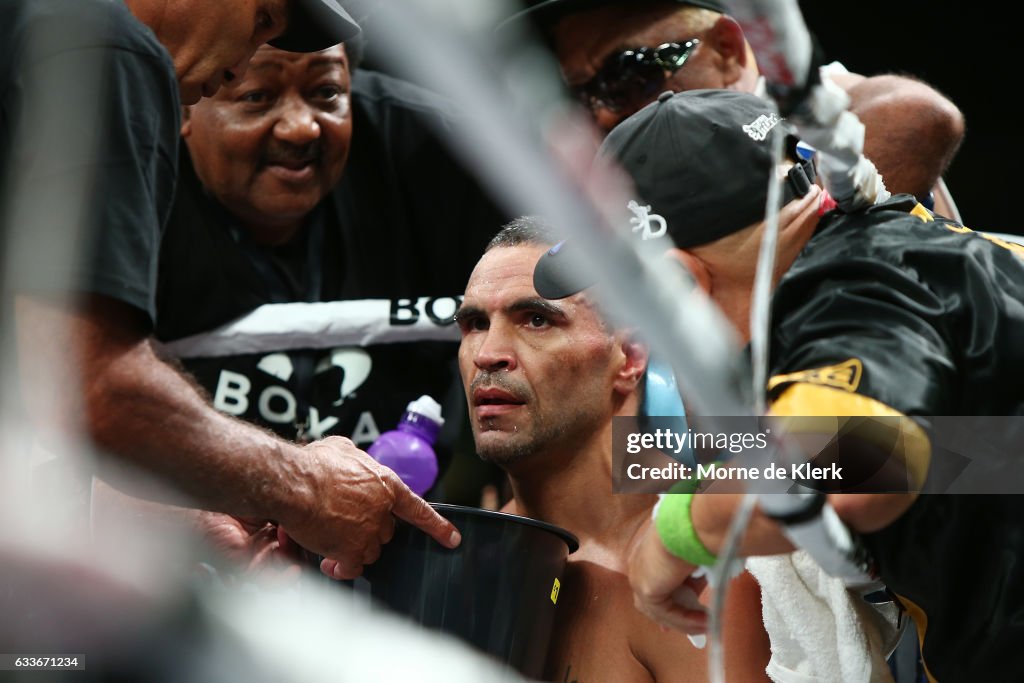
(498, 590)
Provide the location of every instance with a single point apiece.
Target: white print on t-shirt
(277, 404)
(325, 325)
(342, 326)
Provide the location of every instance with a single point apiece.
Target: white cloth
(819, 630)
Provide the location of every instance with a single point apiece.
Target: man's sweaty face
(537, 373)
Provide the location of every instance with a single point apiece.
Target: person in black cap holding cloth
(616, 56)
(331, 497)
(888, 311)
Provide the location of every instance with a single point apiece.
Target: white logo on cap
(644, 219)
(762, 125)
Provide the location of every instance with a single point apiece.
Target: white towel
(821, 632)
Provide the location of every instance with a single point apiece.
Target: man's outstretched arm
(332, 498)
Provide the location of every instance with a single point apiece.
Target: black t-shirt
(89, 120)
(341, 328)
(927, 318)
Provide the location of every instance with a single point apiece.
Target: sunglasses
(632, 78)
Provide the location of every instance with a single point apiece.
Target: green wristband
(675, 528)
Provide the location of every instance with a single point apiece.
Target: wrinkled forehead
(504, 272)
(503, 280)
(272, 58)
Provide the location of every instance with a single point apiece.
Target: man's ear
(635, 358)
(186, 120)
(727, 39)
(694, 265)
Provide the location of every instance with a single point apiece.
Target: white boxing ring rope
(513, 102)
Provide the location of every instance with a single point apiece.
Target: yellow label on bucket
(554, 591)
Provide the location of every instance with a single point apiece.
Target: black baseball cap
(545, 11)
(700, 161)
(555, 278)
(315, 25)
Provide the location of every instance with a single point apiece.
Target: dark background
(967, 54)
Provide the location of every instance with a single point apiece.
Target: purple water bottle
(409, 448)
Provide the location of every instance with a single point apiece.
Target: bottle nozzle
(427, 407)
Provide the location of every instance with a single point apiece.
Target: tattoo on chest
(568, 672)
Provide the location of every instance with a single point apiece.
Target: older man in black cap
(331, 497)
(885, 312)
